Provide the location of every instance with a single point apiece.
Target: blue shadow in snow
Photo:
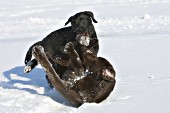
(35, 78)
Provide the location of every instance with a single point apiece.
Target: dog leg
(29, 53)
(74, 57)
(74, 62)
(49, 82)
(30, 65)
(59, 84)
(75, 69)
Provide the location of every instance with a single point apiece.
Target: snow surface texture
(134, 35)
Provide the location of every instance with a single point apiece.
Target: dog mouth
(83, 39)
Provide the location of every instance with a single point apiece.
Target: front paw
(58, 60)
(38, 52)
(69, 48)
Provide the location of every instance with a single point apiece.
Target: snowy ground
(134, 36)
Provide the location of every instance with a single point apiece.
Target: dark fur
(54, 43)
(78, 86)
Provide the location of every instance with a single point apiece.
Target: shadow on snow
(35, 78)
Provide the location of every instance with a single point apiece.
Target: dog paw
(90, 55)
(69, 48)
(27, 69)
(58, 60)
(38, 52)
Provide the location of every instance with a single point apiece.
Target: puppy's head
(82, 23)
(100, 66)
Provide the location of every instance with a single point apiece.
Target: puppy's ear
(69, 20)
(89, 13)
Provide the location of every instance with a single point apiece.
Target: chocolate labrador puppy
(79, 86)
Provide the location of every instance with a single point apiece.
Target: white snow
(134, 35)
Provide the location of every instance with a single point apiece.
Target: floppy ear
(89, 13)
(69, 20)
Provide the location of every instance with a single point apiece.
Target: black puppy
(53, 44)
(78, 86)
